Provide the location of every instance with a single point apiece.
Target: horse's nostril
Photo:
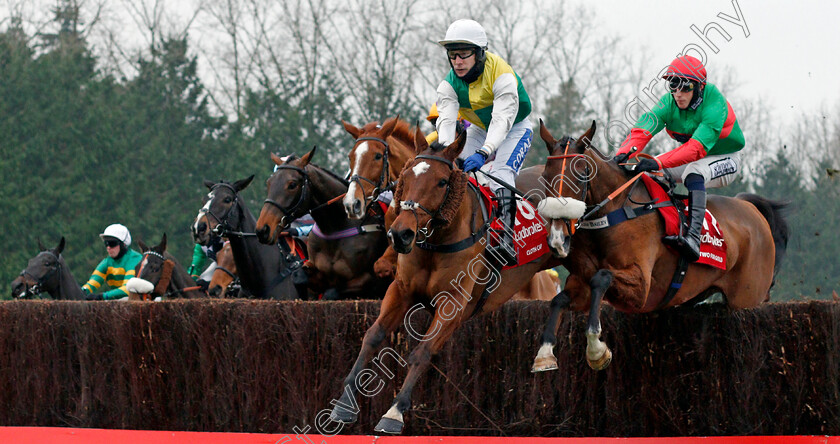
(202, 227)
(357, 207)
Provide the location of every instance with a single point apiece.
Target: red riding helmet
(687, 67)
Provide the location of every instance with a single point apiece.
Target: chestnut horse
(341, 251)
(437, 211)
(47, 272)
(159, 275)
(225, 282)
(626, 264)
(265, 271)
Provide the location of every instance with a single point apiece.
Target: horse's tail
(774, 211)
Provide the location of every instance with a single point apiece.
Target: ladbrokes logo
(709, 239)
(527, 232)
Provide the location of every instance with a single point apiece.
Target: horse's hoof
(602, 362)
(343, 416)
(384, 269)
(388, 425)
(544, 364)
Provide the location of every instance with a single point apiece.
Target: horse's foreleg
(386, 266)
(545, 359)
(418, 362)
(598, 355)
(394, 308)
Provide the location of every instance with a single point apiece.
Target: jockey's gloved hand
(475, 161)
(647, 164)
(621, 158)
(203, 284)
(291, 231)
(94, 297)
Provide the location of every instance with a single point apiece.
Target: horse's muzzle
(264, 234)
(18, 288)
(353, 208)
(402, 240)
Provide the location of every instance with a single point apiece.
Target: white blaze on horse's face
(203, 211)
(557, 238)
(420, 168)
(351, 202)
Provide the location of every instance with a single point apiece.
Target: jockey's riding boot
(688, 244)
(507, 216)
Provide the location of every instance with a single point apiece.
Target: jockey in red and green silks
(697, 115)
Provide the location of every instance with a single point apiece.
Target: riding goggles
(460, 53)
(679, 84)
(112, 243)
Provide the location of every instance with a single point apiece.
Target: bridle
(410, 205)
(223, 228)
(305, 191)
(384, 184)
(165, 276)
(38, 288)
(571, 225)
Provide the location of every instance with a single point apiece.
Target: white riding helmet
(465, 31)
(119, 232)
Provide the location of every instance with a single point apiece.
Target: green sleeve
(198, 260)
(116, 293)
(712, 119)
(97, 278)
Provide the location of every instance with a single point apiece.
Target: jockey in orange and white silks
(697, 115)
(490, 95)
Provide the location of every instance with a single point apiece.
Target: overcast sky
(791, 57)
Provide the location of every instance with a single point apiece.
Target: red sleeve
(638, 138)
(683, 154)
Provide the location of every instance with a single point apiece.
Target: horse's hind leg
(598, 355)
(545, 359)
(394, 308)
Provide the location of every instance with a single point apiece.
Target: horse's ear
(209, 184)
(420, 143)
(40, 245)
(277, 159)
(355, 132)
(60, 246)
(454, 149)
(388, 127)
(304, 161)
(142, 245)
(547, 138)
(585, 140)
(162, 244)
(240, 185)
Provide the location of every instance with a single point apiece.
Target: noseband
(410, 205)
(305, 191)
(383, 184)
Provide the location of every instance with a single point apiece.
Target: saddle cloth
(712, 242)
(530, 237)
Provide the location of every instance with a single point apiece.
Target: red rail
(55, 435)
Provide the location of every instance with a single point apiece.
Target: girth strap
(676, 282)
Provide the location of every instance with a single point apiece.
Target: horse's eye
(292, 185)
(228, 200)
(377, 156)
(443, 183)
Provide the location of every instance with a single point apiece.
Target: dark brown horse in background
(627, 264)
(47, 272)
(265, 271)
(437, 212)
(340, 265)
(159, 274)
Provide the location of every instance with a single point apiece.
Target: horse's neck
(326, 187)
(180, 278)
(608, 178)
(256, 263)
(68, 287)
(461, 226)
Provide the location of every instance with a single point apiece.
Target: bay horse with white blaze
(438, 235)
(47, 272)
(626, 263)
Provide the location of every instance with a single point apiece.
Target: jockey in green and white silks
(490, 95)
(697, 115)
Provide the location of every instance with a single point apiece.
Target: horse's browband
(438, 158)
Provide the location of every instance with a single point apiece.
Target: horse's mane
(403, 132)
(457, 183)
